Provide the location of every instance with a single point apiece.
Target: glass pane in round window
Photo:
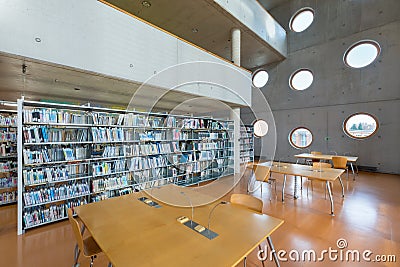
(362, 54)
(301, 79)
(360, 125)
(302, 19)
(260, 128)
(300, 137)
(260, 78)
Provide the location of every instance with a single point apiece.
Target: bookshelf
(246, 143)
(8, 157)
(73, 155)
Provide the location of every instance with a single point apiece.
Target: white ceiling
(213, 25)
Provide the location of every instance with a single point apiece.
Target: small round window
(361, 54)
(260, 78)
(300, 137)
(301, 79)
(360, 125)
(302, 19)
(260, 128)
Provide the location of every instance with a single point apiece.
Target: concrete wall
(89, 35)
(339, 91)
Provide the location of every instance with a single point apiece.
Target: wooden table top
(132, 233)
(323, 174)
(324, 157)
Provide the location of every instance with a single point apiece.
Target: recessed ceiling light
(38, 40)
(195, 30)
(77, 89)
(146, 4)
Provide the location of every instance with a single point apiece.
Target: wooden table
(326, 175)
(350, 159)
(132, 233)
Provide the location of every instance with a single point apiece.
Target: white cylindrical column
(235, 40)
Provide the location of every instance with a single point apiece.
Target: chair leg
(91, 261)
(270, 191)
(244, 261)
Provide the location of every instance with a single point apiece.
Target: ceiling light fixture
(195, 30)
(146, 4)
(77, 89)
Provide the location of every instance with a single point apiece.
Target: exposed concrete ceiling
(271, 4)
(204, 24)
(45, 81)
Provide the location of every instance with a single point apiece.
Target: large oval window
(302, 19)
(360, 125)
(301, 79)
(300, 137)
(361, 54)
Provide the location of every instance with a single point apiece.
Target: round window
(360, 125)
(260, 78)
(301, 79)
(260, 128)
(300, 137)
(302, 19)
(361, 54)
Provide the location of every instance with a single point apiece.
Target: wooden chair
(254, 204)
(263, 174)
(317, 166)
(340, 163)
(87, 246)
(250, 202)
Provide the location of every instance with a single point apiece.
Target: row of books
(53, 193)
(50, 115)
(140, 163)
(8, 197)
(113, 151)
(111, 193)
(40, 134)
(7, 149)
(55, 154)
(8, 136)
(100, 185)
(7, 166)
(53, 174)
(8, 120)
(8, 182)
(143, 176)
(195, 123)
(104, 168)
(40, 215)
(107, 134)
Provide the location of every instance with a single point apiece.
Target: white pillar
(235, 40)
(235, 116)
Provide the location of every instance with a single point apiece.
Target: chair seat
(91, 247)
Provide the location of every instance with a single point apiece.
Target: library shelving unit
(72, 155)
(246, 144)
(8, 157)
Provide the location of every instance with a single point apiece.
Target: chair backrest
(261, 172)
(339, 162)
(247, 201)
(76, 230)
(321, 165)
(316, 153)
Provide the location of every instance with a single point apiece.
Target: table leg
(271, 246)
(341, 183)
(352, 169)
(283, 188)
(295, 187)
(330, 196)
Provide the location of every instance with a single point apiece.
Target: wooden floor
(368, 218)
